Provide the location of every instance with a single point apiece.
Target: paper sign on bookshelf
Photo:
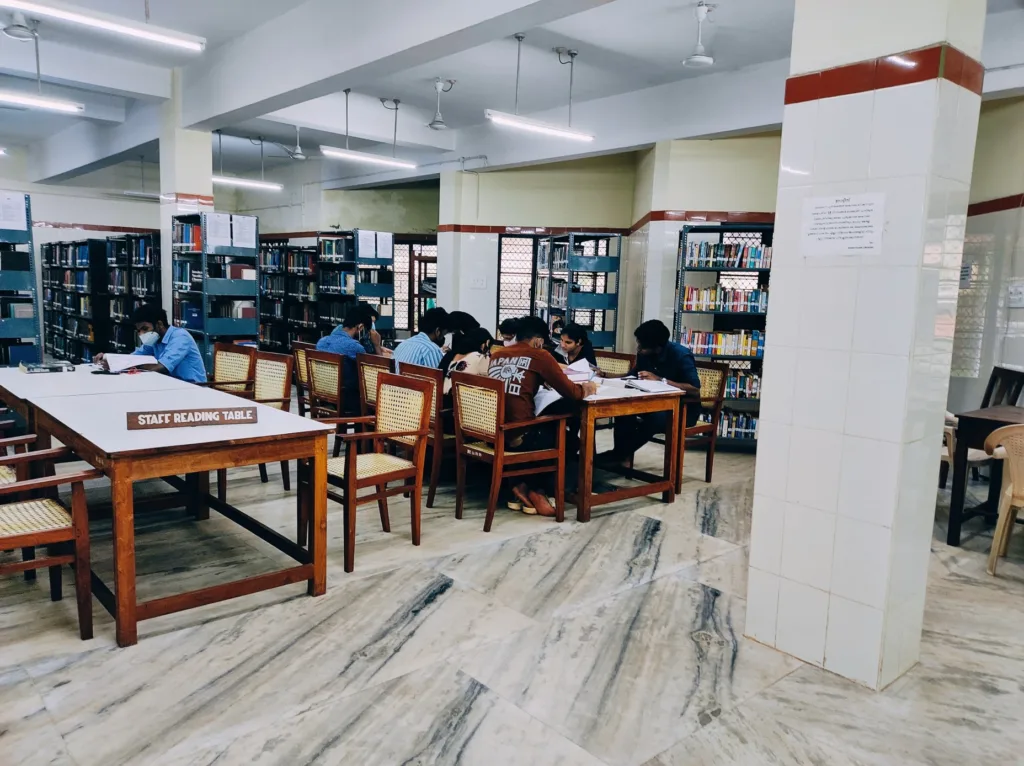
(385, 244)
(12, 211)
(367, 244)
(243, 232)
(218, 230)
(849, 224)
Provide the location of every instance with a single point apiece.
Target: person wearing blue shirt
(346, 342)
(657, 358)
(175, 349)
(425, 347)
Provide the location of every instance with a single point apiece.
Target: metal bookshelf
(211, 300)
(19, 331)
(288, 294)
(76, 299)
(133, 263)
(577, 280)
(740, 411)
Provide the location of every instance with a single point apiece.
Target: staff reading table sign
(233, 416)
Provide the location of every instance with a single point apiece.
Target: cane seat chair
(438, 441)
(299, 350)
(234, 369)
(614, 365)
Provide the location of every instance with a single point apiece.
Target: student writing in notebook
(174, 348)
(657, 358)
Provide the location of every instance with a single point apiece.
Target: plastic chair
(403, 414)
(480, 430)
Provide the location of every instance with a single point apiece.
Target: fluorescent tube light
(40, 102)
(534, 126)
(3, 152)
(108, 24)
(247, 183)
(372, 159)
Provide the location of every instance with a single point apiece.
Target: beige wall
(407, 211)
(999, 154)
(593, 192)
(740, 174)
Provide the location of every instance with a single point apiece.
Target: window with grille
(516, 271)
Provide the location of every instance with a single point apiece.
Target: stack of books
(725, 300)
(710, 255)
(743, 343)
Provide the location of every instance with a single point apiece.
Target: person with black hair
(524, 368)
(424, 348)
(459, 323)
(507, 331)
(175, 349)
(370, 339)
(346, 344)
(470, 354)
(657, 358)
(576, 345)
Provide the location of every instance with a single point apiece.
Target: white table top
(82, 382)
(103, 418)
(615, 390)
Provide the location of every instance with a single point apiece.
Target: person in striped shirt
(424, 348)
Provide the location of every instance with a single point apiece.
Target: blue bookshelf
(19, 300)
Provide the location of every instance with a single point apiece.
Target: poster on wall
(848, 224)
(12, 211)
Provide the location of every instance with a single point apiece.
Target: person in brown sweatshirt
(524, 367)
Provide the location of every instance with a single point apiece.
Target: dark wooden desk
(972, 430)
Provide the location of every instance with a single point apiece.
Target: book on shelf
(743, 385)
(188, 236)
(337, 249)
(725, 299)
(709, 343)
(714, 255)
(734, 425)
(76, 280)
(300, 262)
(272, 259)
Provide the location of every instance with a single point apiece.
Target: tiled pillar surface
(186, 185)
(883, 98)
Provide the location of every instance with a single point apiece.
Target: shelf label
(12, 211)
(850, 224)
(220, 416)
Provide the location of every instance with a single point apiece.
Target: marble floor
(617, 642)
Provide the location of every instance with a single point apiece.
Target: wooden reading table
(94, 426)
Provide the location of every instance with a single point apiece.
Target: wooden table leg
(672, 452)
(585, 487)
(199, 489)
(124, 558)
(318, 537)
(956, 500)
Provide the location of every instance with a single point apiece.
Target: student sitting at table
(347, 344)
(459, 323)
(507, 331)
(370, 341)
(175, 349)
(576, 345)
(657, 358)
(424, 348)
(524, 367)
(471, 353)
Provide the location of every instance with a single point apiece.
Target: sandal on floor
(520, 491)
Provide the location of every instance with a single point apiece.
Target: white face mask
(149, 338)
(510, 342)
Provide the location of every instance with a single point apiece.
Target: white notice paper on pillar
(1015, 294)
(965, 276)
(244, 231)
(218, 230)
(12, 211)
(367, 244)
(385, 244)
(850, 224)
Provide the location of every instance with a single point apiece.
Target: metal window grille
(516, 273)
(401, 254)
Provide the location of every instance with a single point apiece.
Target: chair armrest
(534, 422)
(49, 481)
(17, 441)
(346, 421)
(216, 383)
(381, 435)
(32, 457)
(951, 419)
(273, 401)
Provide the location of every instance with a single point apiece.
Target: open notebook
(651, 386)
(122, 362)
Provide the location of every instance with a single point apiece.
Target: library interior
(542, 382)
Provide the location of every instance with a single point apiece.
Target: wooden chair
(613, 364)
(1004, 387)
(438, 441)
(274, 374)
(480, 430)
(326, 395)
(402, 419)
(369, 367)
(712, 395)
(1006, 443)
(30, 521)
(234, 369)
(299, 350)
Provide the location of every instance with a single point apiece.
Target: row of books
(737, 425)
(66, 254)
(135, 251)
(340, 249)
(121, 309)
(273, 284)
(304, 314)
(273, 259)
(79, 281)
(724, 299)
(302, 288)
(743, 385)
(124, 339)
(337, 283)
(272, 309)
(188, 235)
(185, 274)
(301, 262)
(744, 343)
(233, 309)
(711, 255)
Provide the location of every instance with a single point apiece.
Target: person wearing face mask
(370, 339)
(346, 344)
(175, 349)
(507, 331)
(524, 368)
(459, 323)
(424, 348)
